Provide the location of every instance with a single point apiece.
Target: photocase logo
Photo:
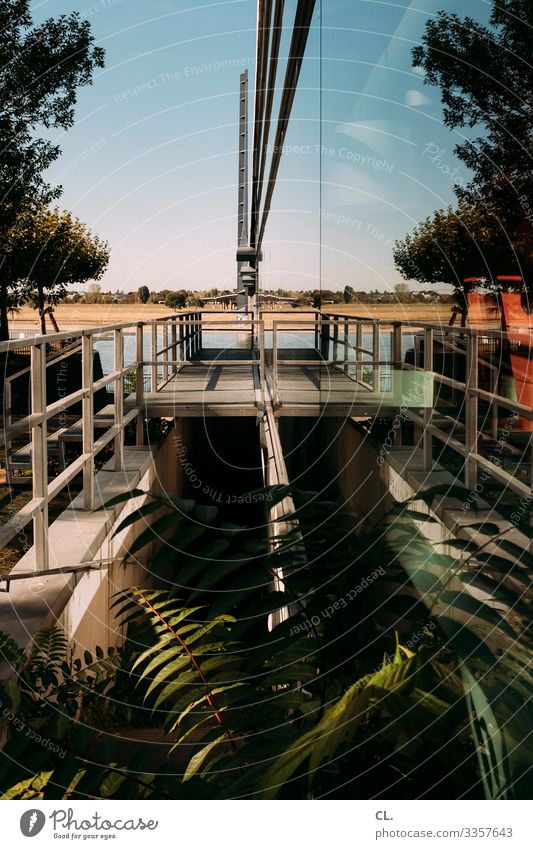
(32, 822)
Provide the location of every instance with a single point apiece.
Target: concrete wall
(80, 602)
(335, 458)
(87, 618)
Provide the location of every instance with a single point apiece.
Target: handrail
(337, 330)
(177, 340)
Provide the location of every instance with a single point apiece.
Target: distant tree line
(183, 298)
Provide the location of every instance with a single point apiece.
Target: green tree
(176, 300)
(402, 293)
(94, 294)
(143, 294)
(52, 250)
(42, 67)
(452, 245)
(348, 294)
(484, 74)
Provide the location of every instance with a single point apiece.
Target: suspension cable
(300, 33)
(271, 86)
(264, 13)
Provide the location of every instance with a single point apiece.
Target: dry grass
(79, 316)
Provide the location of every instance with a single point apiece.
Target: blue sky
(151, 163)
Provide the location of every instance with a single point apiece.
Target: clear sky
(151, 163)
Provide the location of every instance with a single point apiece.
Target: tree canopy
(454, 244)
(41, 68)
(143, 294)
(176, 300)
(484, 74)
(50, 251)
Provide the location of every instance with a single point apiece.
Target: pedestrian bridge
(450, 384)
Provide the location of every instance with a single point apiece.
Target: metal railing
(61, 351)
(371, 353)
(364, 350)
(185, 334)
(254, 329)
(339, 344)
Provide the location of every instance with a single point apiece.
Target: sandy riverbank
(79, 316)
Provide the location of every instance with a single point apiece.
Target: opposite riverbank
(80, 316)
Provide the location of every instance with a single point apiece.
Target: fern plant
(287, 667)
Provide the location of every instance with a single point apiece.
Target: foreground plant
(315, 688)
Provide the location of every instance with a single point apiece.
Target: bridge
(446, 382)
(407, 405)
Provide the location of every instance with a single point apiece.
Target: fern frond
(340, 722)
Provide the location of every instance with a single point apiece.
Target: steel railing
(186, 338)
(340, 343)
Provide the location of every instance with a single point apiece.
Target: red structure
(506, 308)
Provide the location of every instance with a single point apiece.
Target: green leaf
(461, 544)
(154, 531)
(125, 496)
(166, 673)
(464, 641)
(488, 528)
(511, 599)
(139, 514)
(12, 690)
(425, 581)
(197, 761)
(520, 555)
(339, 723)
(477, 609)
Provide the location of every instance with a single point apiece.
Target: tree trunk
(53, 321)
(40, 306)
(4, 322)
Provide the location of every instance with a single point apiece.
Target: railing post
(39, 455)
(376, 371)
(335, 339)
(358, 352)
(174, 349)
(8, 401)
(427, 438)
(471, 406)
(396, 372)
(317, 339)
(396, 352)
(119, 400)
(346, 366)
(181, 342)
(88, 420)
(139, 385)
(165, 355)
(153, 370)
(324, 339)
(275, 359)
(495, 374)
(200, 341)
(262, 358)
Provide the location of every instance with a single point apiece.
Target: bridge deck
(214, 383)
(317, 388)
